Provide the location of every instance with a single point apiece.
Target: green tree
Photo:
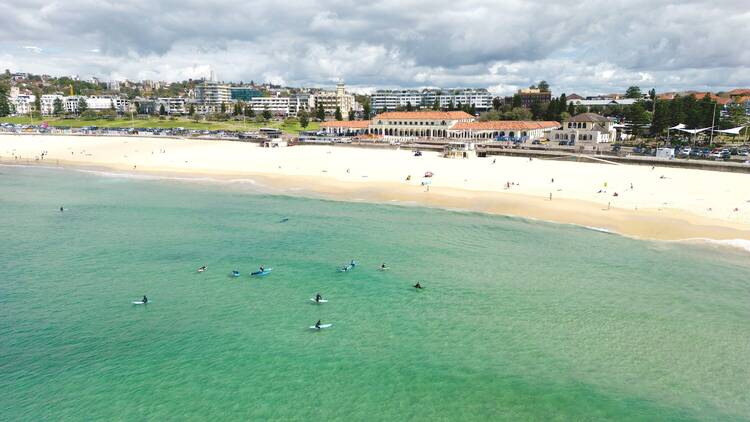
(320, 112)
(660, 118)
(634, 92)
(409, 106)
(536, 111)
(637, 117)
(451, 106)
(4, 105)
(366, 110)
(266, 114)
(304, 120)
(38, 103)
(223, 108)
(571, 109)
(250, 111)
(191, 110)
(473, 109)
(82, 105)
(162, 111)
(57, 107)
(496, 103)
(436, 104)
(516, 101)
(337, 114)
(351, 115)
(543, 86)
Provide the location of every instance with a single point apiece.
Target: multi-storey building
(213, 94)
(48, 103)
(22, 103)
(244, 93)
(278, 106)
(172, 105)
(393, 99)
(336, 99)
(301, 101)
(531, 96)
(480, 98)
(70, 103)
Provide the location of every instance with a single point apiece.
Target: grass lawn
(291, 126)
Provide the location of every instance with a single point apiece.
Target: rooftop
(352, 124)
(588, 117)
(505, 125)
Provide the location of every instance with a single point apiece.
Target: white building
(480, 98)
(585, 128)
(512, 130)
(393, 99)
(213, 94)
(99, 103)
(302, 101)
(278, 106)
(417, 124)
(48, 103)
(70, 103)
(22, 104)
(172, 105)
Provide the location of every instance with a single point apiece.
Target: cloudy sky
(583, 46)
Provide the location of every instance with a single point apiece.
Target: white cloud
(583, 46)
(32, 49)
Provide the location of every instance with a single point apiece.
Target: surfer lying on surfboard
(417, 286)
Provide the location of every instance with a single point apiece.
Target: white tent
(695, 131)
(732, 131)
(678, 127)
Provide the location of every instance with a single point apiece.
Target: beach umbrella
(428, 174)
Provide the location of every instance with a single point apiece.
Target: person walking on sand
(550, 196)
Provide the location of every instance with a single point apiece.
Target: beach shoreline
(365, 175)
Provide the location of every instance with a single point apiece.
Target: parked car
(743, 153)
(685, 152)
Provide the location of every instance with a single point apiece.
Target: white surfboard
(312, 327)
(140, 302)
(312, 299)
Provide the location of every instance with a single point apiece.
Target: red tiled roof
(739, 91)
(427, 115)
(505, 125)
(352, 124)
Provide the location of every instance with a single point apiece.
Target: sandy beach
(639, 201)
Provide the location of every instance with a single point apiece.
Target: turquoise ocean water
(519, 320)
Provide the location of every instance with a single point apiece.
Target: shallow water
(519, 320)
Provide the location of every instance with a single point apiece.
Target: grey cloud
(586, 45)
